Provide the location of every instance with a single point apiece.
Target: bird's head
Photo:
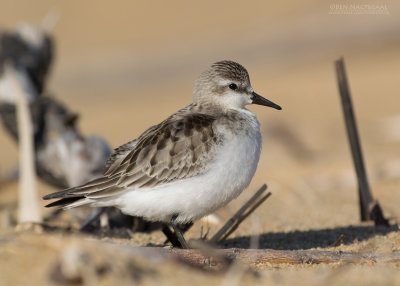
(226, 84)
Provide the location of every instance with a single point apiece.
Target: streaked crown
(230, 70)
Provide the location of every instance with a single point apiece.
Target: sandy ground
(125, 67)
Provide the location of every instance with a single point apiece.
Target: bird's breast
(227, 174)
(237, 158)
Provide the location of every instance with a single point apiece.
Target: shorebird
(63, 156)
(192, 163)
(69, 158)
(29, 51)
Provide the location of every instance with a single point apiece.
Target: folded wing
(180, 147)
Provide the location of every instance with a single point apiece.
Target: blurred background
(126, 65)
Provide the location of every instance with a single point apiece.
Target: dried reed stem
(28, 197)
(233, 223)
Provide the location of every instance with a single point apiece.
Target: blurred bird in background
(29, 52)
(63, 156)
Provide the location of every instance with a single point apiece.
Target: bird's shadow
(295, 240)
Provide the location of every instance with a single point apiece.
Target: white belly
(229, 174)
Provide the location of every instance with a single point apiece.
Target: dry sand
(125, 67)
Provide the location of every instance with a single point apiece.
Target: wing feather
(179, 147)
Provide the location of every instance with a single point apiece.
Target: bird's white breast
(227, 176)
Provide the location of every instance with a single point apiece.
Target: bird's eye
(233, 86)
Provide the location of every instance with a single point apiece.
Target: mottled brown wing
(119, 154)
(177, 148)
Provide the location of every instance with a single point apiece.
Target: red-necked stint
(194, 162)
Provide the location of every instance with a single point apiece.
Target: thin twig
(244, 216)
(232, 224)
(339, 241)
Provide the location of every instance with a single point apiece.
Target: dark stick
(369, 208)
(232, 224)
(244, 216)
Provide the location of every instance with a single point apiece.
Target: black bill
(258, 99)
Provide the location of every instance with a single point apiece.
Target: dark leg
(171, 236)
(179, 235)
(185, 227)
(176, 237)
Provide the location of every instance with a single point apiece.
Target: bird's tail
(81, 195)
(65, 201)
